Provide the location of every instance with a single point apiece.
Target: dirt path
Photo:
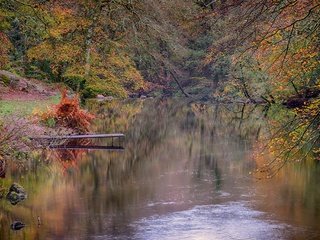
(10, 94)
(19, 88)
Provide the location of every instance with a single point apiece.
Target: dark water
(184, 174)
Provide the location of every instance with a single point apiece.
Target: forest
(258, 52)
(161, 69)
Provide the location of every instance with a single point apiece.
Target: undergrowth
(67, 113)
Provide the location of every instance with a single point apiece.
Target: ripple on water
(229, 221)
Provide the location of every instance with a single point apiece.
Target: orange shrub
(69, 114)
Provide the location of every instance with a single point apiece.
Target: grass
(25, 108)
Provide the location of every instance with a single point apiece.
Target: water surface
(184, 174)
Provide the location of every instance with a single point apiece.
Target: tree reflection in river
(68, 158)
(178, 155)
(293, 137)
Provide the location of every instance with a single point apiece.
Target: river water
(184, 174)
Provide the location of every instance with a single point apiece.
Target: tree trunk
(178, 83)
(88, 46)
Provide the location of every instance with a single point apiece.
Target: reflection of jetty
(76, 141)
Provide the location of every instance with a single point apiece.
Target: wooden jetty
(88, 147)
(67, 137)
(70, 141)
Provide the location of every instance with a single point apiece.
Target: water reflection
(221, 221)
(183, 174)
(66, 156)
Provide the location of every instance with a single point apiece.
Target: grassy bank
(25, 107)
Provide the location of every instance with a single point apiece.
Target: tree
(277, 35)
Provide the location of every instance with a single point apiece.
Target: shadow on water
(184, 173)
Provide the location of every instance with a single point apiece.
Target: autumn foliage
(5, 46)
(69, 114)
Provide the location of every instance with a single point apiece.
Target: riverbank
(23, 104)
(19, 95)
(17, 122)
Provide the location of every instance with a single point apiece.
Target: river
(184, 174)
